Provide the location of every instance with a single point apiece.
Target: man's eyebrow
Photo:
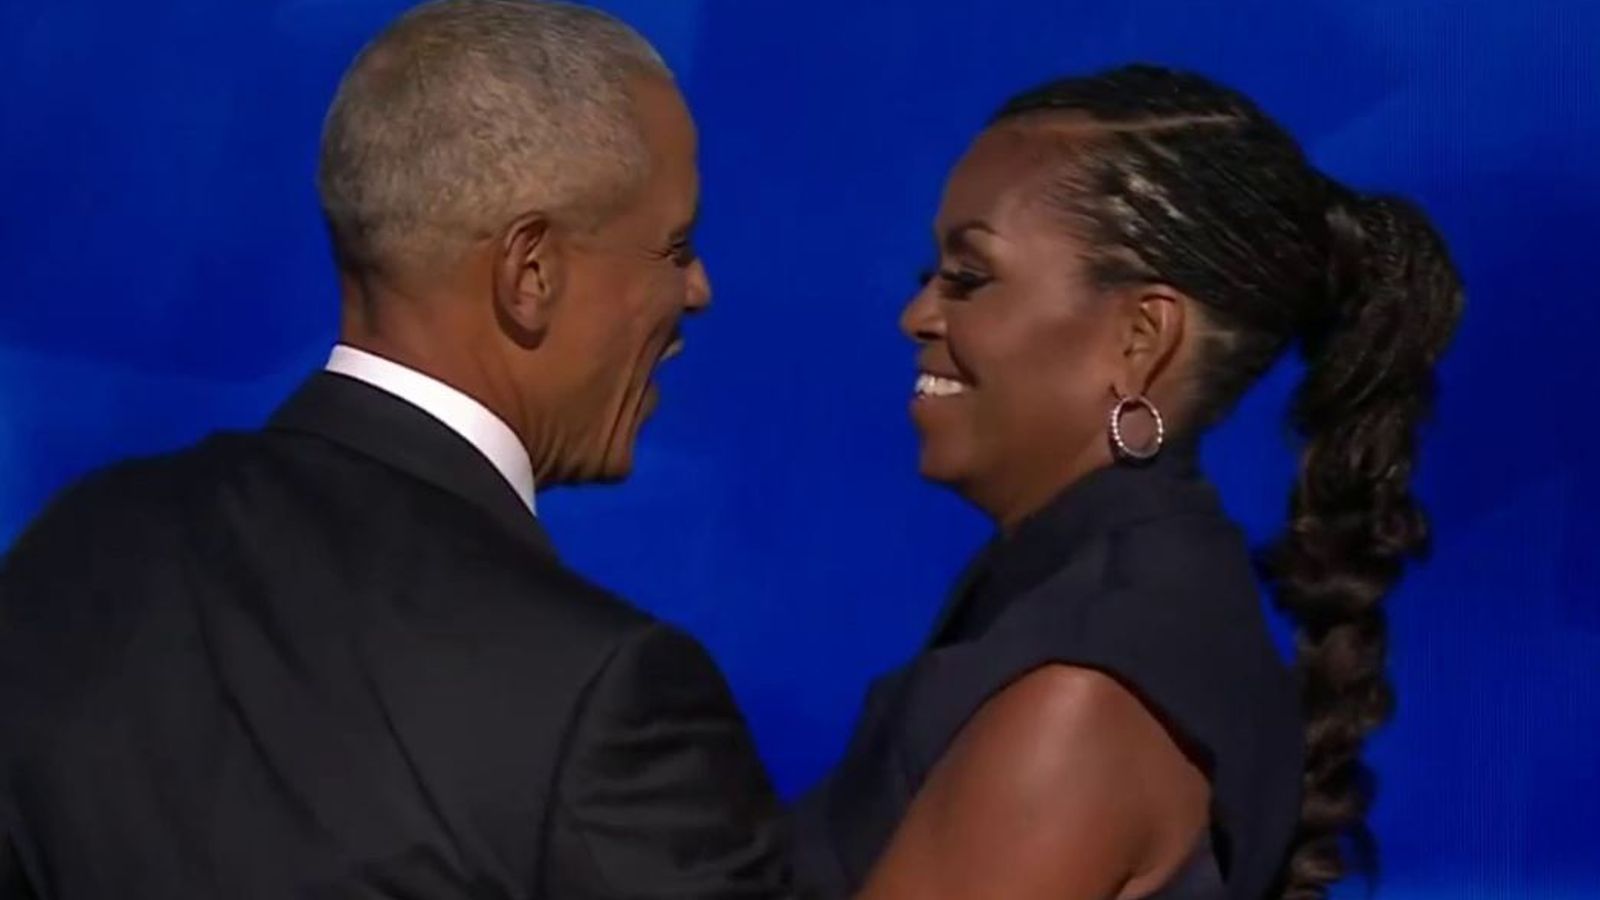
(687, 228)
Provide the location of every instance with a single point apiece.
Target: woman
(1100, 712)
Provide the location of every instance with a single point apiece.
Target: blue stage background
(163, 273)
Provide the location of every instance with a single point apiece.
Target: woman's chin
(939, 466)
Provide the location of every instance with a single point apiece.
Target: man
(338, 657)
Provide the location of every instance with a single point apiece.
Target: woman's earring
(1118, 443)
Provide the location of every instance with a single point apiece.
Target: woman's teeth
(938, 386)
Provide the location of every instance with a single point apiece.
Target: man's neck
(453, 408)
(420, 326)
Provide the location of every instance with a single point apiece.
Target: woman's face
(1018, 353)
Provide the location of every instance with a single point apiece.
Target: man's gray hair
(466, 113)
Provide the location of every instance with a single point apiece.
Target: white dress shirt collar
(460, 413)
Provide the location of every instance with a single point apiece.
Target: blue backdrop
(163, 273)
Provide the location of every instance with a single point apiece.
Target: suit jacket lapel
(388, 429)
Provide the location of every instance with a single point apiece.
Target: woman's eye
(956, 281)
(961, 281)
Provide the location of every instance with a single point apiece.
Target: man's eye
(682, 253)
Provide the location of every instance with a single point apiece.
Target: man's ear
(529, 275)
(1152, 331)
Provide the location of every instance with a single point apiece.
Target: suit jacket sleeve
(661, 793)
(13, 884)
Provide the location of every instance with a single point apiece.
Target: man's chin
(617, 464)
(613, 474)
(616, 457)
(619, 456)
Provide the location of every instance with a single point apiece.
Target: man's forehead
(670, 138)
(661, 111)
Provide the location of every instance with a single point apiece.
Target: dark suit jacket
(339, 659)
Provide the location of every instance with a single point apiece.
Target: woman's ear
(1154, 321)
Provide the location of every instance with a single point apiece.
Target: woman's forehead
(1003, 177)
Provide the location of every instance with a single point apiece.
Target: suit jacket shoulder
(409, 667)
(338, 657)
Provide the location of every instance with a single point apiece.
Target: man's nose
(698, 297)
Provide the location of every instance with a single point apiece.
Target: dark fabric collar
(1102, 501)
(378, 424)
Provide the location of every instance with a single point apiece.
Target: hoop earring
(1125, 452)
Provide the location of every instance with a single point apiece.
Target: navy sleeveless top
(1135, 572)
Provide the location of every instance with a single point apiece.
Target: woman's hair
(1170, 178)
